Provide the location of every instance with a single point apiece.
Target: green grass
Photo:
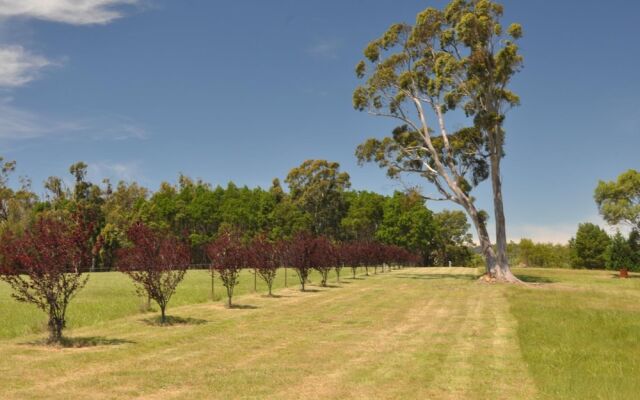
(580, 335)
(409, 334)
(111, 295)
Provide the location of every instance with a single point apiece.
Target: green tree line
(317, 199)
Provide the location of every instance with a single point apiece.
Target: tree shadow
(331, 286)
(172, 320)
(343, 282)
(617, 275)
(243, 307)
(80, 342)
(436, 276)
(274, 296)
(534, 279)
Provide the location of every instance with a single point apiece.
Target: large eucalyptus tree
(459, 58)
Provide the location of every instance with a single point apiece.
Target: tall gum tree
(457, 58)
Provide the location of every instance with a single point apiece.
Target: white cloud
(325, 48)
(75, 12)
(20, 124)
(18, 66)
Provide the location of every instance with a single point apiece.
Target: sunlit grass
(409, 334)
(111, 295)
(580, 335)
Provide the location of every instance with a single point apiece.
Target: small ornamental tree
(298, 255)
(323, 257)
(264, 257)
(44, 266)
(228, 256)
(350, 255)
(156, 263)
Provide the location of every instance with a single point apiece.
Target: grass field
(408, 334)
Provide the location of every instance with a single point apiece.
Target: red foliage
(264, 256)
(228, 256)
(44, 266)
(367, 254)
(156, 262)
(323, 257)
(298, 255)
(306, 252)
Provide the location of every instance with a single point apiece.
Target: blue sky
(245, 90)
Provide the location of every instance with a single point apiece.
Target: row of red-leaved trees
(44, 265)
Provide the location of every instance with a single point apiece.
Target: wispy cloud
(75, 12)
(19, 124)
(19, 66)
(324, 48)
(115, 171)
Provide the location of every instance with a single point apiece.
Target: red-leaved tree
(323, 257)
(44, 266)
(264, 257)
(298, 255)
(156, 262)
(228, 256)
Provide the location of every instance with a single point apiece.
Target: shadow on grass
(243, 307)
(436, 276)
(617, 276)
(534, 279)
(172, 320)
(274, 296)
(307, 290)
(80, 342)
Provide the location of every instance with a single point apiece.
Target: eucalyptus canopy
(619, 200)
(457, 58)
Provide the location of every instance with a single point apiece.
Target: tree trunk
(494, 271)
(213, 292)
(55, 330)
(163, 317)
(501, 271)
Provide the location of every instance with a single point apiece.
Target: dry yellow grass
(410, 334)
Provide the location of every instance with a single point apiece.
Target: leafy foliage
(619, 254)
(228, 256)
(265, 257)
(155, 261)
(317, 187)
(619, 201)
(44, 266)
(589, 246)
